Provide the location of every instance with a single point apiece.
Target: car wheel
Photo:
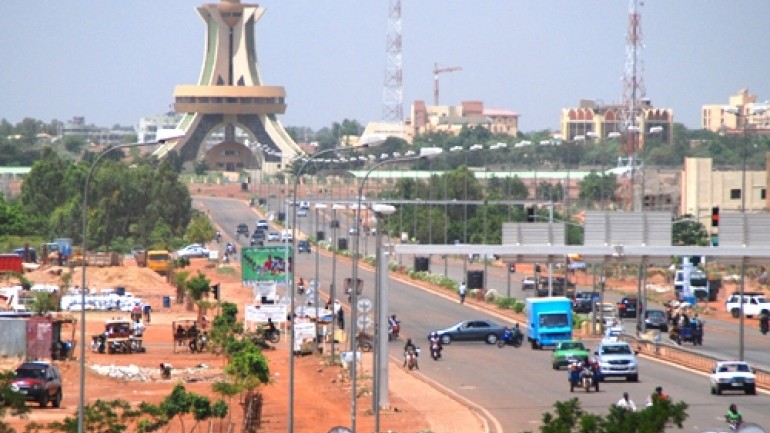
(633, 378)
(491, 339)
(751, 390)
(718, 390)
(44, 399)
(555, 366)
(735, 312)
(446, 339)
(57, 399)
(712, 390)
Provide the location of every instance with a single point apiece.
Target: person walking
(656, 396)
(626, 403)
(341, 318)
(461, 290)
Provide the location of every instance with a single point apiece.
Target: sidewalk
(444, 413)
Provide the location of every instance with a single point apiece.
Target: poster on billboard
(270, 263)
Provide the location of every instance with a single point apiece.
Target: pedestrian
(147, 309)
(461, 290)
(626, 403)
(656, 396)
(341, 318)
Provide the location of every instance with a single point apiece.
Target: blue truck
(549, 321)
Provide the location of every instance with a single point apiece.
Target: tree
(599, 187)
(688, 231)
(200, 229)
(569, 417)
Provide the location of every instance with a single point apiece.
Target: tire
(500, 343)
(633, 378)
(517, 341)
(57, 400)
(751, 391)
(275, 337)
(555, 366)
(735, 312)
(718, 390)
(491, 339)
(446, 339)
(712, 390)
(44, 399)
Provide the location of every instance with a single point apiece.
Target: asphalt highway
(515, 386)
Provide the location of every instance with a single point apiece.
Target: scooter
(435, 350)
(513, 338)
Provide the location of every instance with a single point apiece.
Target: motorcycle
(411, 358)
(435, 349)
(393, 330)
(199, 343)
(513, 338)
(587, 378)
(97, 343)
(273, 336)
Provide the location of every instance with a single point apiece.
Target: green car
(567, 352)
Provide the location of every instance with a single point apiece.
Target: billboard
(271, 263)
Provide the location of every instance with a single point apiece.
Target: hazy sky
(114, 62)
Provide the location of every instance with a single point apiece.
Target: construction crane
(436, 72)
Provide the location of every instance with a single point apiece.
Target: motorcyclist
(573, 375)
(435, 343)
(394, 324)
(410, 350)
(764, 322)
(733, 417)
(301, 286)
(507, 334)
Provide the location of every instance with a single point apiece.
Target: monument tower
(230, 94)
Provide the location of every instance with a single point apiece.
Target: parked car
(628, 307)
(656, 319)
(472, 330)
(567, 352)
(583, 301)
(303, 246)
(733, 376)
(38, 381)
(193, 250)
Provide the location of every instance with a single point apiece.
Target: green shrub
(518, 307)
(505, 303)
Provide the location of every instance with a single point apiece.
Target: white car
(753, 304)
(617, 359)
(732, 376)
(193, 250)
(273, 237)
(262, 225)
(287, 236)
(302, 212)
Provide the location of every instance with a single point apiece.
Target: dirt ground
(322, 392)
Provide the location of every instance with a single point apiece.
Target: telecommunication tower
(633, 82)
(393, 94)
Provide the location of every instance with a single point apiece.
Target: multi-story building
(594, 120)
(451, 119)
(96, 134)
(750, 116)
(148, 127)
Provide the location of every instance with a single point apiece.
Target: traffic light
(531, 214)
(215, 291)
(715, 216)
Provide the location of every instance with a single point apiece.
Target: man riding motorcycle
(435, 345)
(394, 327)
(764, 322)
(410, 355)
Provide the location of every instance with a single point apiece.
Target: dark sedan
(472, 330)
(656, 319)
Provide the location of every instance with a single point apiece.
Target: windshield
(616, 350)
(553, 320)
(30, 373)
(572, 346)
(698, 281)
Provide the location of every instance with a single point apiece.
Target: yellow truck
(159, 261)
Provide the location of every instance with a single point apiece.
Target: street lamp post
(292, 337)
(317, 285)
(736, 111)
(425, 152)
(99, 158)
(381, 314)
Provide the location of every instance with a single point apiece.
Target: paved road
(515, 385)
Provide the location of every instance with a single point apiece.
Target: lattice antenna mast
(393, 93)
(633, 81)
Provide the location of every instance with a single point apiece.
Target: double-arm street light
(298, 175)
(741, 117)
(426, 152)
(169, 136)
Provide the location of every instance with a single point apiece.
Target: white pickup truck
(753, 304)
